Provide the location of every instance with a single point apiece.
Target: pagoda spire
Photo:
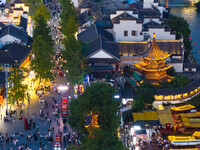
(155, 53)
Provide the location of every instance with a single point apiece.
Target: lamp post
(6, 69)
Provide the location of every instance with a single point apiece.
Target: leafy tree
(76, 62)
(165, 84)
(171, 71)
(145, 94)
(147, 84)
(42, 63)
(67, 10)
(98, 99)
(138, 104)
(33, 5)
(181, 27)
(17, 90)
(70, 27)
(180, 81)
(102, 141)
(42, 10)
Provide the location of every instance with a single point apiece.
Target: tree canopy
(98, 99)
(67, 11)
(33, 5)
(17, 89)
(145, 95)
(76, 62)
(177, 82)
(181, 27)
(42, 10)
(42, 63)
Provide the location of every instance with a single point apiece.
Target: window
(133, 33)
(125, 33)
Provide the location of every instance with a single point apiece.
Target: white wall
(101, 54)
(160, 34)
(127, 25)
(177, 66)
(2, 1)
(147, 4)
(83, 10)
(117, 14)
(9, 39)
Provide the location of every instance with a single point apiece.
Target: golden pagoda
(153, 66)
(92, 122)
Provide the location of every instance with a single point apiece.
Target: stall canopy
(147, 115)
(165, 117)
(183, 140)
(183, 108)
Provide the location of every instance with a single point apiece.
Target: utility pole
(6, 69)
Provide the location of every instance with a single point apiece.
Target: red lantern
(194, 43)
(1, 100)
(199, 51)
(190, 38)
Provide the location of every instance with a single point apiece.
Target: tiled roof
(15, 53)
(174, 91)
(16, 32)
(189, 65)
(87, 35)
(23, 22)
(5, 58)
(2, 25)
(83, 18)
(155, 52)
(170, 47)
(92, 32)
(124, 16)
(151, 23)
(101, 43)
(130, 48)
(148, 13)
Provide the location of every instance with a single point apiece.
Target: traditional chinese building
(153, 65)
(91, 122)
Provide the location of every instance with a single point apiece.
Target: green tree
(70, 27)
(102, 141)
(17, 90)
(171, 71)
(98, 99)
(33, 5)
(42, 10)
(76, 62)
(165, 84)
(181, 27)
(180, 81)
(145, 94)
(138, 104)
(68, 9)
(43, 62)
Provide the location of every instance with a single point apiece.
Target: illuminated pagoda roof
(155, 53)
(153, 65)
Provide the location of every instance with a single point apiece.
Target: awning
(177, 143)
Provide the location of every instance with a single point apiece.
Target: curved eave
(156, 70)
(164, 57)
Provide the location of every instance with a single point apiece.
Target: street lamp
(6, 69)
